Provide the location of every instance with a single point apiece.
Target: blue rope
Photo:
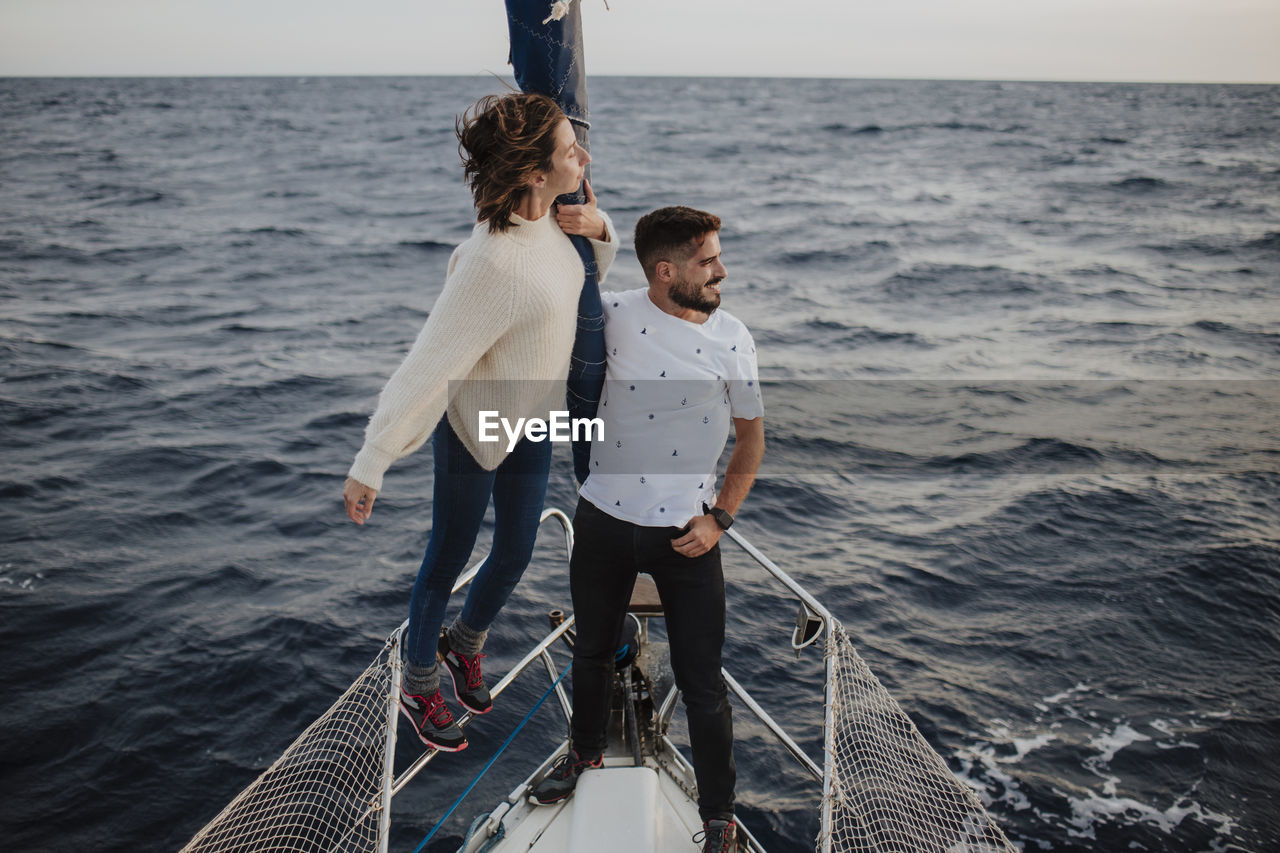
(485, 769)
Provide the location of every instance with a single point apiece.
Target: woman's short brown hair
(504, 141)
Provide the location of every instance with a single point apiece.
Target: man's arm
(744, 462)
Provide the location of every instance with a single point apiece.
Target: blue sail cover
(547, 59)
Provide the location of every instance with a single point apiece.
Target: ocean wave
(21, 251)
(1141, 185)
(865, 255)
(109, 195)
(426, 245)
(342, 423)
(30, 413)
(261, 476)
(953, 125)
(1268, 244)
(1266, 341)
(271, 231)
(862, 130)
(167, 462)
(138, 254)
(832, 333)
(1042, 455)
(955, 281)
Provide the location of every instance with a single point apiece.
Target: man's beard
(686, 294)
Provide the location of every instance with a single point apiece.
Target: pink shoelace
(438, 712)
(471, 666)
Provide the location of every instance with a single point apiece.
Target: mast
(547, 58)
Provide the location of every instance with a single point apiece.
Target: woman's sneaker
(432, 721)
(563, 778)
(468, 683)
(718, 836)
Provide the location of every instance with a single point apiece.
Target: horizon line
(391, 75)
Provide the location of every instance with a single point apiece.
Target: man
(678, 371)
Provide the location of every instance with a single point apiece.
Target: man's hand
(582, 218)
(359, 500)
(703, 534)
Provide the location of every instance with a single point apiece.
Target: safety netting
(889, 792)
(325, 793)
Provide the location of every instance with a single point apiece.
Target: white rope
(559, 9)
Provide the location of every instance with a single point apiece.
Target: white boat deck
(620, 809)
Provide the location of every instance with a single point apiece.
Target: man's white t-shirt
(672, 388)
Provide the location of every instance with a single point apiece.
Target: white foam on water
(1174, 738)
(989, 766)
(1087, 813)
(1059, 698)
(1109, 743)
(17, 581)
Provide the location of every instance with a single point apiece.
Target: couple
(508, 311)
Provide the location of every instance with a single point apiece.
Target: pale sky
(1121, 40)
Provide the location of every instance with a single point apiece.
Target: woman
(504, 323)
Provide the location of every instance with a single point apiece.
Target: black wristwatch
(722, 516)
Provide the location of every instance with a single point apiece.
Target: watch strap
(722, 516)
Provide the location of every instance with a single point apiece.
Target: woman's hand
(359, 500)
(582, 218)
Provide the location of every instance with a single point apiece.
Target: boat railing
(811, 608)
(803, 636)
(874, 764)
(540, 651)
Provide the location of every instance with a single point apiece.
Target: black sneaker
(432, 721)
(718, 836)
(563, 778)
(468, 683)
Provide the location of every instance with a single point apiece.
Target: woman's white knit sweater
(504, 323)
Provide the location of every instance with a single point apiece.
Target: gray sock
(420, 681)
(465, 640)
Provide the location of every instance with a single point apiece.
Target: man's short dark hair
(671, 234)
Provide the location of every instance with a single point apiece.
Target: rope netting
(890, 792)
(325, 792)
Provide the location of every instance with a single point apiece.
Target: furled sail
(546, 57)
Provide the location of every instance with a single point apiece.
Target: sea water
(1021, 361)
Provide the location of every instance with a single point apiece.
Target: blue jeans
(459, 500)
(607, 554)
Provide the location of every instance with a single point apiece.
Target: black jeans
(607, 555)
